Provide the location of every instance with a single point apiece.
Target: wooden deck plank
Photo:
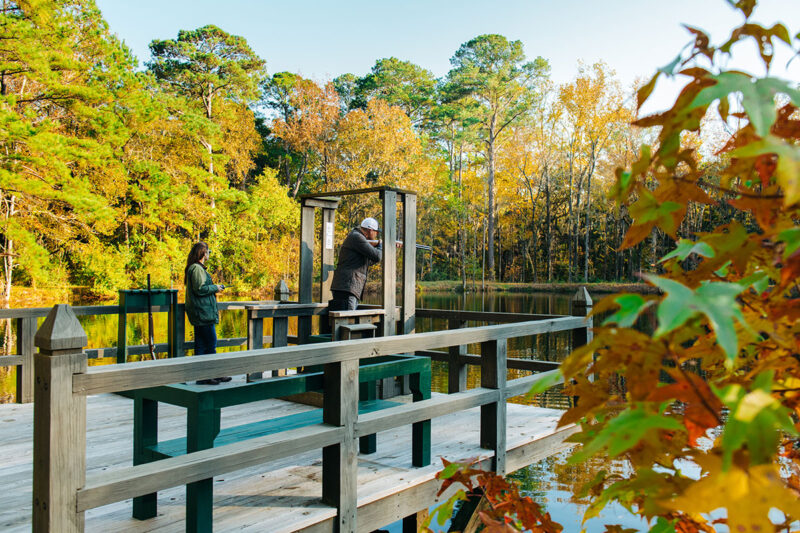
(281, 496)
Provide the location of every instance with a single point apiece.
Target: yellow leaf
(748, 495)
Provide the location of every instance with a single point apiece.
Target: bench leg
(368, 391)
(420, 384)
(145, 433)
(202, 427)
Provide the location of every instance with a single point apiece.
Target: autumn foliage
(708, 414)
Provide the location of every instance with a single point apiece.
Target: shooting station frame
(328, 202)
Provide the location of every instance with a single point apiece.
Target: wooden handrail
(129, 376)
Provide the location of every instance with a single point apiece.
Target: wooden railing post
(581, 305)
(59, 423)
(456, 370)
(339, 461)
(255, 339)
(26, 329)
(493, 415)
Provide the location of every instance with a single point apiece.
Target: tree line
(109, 171)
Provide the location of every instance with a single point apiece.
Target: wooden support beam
(326, 244)
(480, 316)
(340, 461)
(581, 305)
(59, 424)
(456, 369)
(26, 330)
(255, 340)
(389, 280)
(306, 269)
(493, 415)
(532, 365)
(326, 203)
(409, 263)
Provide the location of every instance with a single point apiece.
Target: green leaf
(551, 378)
(662, 525)
(630, 307)
(758, 96)
(717, 300)
(685, 247)
(756, 420)
(792, 239)
(759, 281)
(624, 432)
(788, 169)
(672, 311)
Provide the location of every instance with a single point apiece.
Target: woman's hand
(220, 288)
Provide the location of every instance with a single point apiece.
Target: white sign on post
(329, 235)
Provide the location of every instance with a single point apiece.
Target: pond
(549, 482)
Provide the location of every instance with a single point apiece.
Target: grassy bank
(493, 286)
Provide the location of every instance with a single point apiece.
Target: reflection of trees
(572, 477)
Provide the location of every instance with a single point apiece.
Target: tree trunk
(462, 231)
(548, 229)
(586, 229)
(491, 213)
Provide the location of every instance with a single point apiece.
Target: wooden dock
(283, 495)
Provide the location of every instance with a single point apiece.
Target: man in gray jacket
(355, 257)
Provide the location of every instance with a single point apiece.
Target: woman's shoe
(213, 381)
(224, 380)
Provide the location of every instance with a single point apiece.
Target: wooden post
(280, 337)
(581, 305)
(306, 270)
(26, 329)
(59, 423)
(389, 281)
(409, 262)
(255, 339)
(456, 370)
(493, 415)
(145, 433)
(281, 293)
(202, 427)
(408, 318)
(339, 461)
(180, 330)
(326, 242)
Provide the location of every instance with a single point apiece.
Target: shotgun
(419, 246)
(150, 321)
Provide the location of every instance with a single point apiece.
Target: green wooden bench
(204, 403)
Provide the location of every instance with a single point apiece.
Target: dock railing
(62, 492)
(26, 321)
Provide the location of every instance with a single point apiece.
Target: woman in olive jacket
(201, 304)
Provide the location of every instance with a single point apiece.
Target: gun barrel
(419, 246)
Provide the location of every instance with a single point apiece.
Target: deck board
(279, 496)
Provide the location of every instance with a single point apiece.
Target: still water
(549, 482)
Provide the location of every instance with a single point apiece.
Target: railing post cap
(582, 298)
(60, 330)
(282, 291)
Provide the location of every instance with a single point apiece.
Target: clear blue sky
(322, 39)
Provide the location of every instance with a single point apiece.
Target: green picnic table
(204, 403)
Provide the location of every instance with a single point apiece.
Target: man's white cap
(370, 223)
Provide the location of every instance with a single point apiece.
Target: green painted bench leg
(202, 428)
(145, 433)
(421, 431)
(368, 391)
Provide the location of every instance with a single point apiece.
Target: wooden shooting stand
(393, 321)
